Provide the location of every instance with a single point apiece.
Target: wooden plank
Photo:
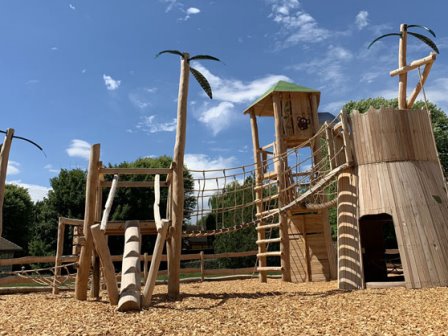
(36, 260)
(133, 184)
(106, 262)
(414, 65)
(59, 252)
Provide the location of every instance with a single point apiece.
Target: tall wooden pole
(403, 79)
(82, 276)
(175, 241)
(4, 157)
(280, 164)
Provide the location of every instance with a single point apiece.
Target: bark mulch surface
(243, 307)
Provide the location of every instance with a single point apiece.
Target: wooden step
(270, 254)
(267, 199)
(270, 175)
(268, 226)
(269, 269)
(268, 241)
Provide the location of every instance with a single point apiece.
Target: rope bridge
(227, 200)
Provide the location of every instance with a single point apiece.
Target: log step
(270, 176)
(267, 212)
(269, 269)
(268, 226)
(270, 254)
(267, 241)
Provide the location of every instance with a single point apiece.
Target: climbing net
(232, 199)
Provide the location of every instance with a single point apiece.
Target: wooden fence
(202, 271)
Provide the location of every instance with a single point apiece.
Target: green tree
(18, 213)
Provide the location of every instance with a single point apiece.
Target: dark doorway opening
(380, 254)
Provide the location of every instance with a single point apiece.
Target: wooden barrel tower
(395, 188)
(306, 251)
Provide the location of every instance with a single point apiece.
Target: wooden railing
(201, 271)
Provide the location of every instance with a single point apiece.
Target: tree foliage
(18, 213)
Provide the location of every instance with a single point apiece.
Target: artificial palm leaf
(429, 30)
(382, 36)
(425, 40)
(203, 82)
(175, 52)
(204, 57)
(25, 139)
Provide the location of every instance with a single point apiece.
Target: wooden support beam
(330, 146)
(419, 86)
(403, 79)
(414, 65)
(134, 171)
(346, 138)
(59, 252)
(106, 262)
(155, 264)
(109, 202)
(175, 241)
(96, 272)
(259, 192)
(4, 157)
(82, 276)
(130, 270)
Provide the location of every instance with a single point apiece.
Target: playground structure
(380, 169)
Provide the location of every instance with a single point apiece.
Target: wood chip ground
(242, 307)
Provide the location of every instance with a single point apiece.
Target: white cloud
(13, 168)
(236, 91)
(297, 25)
(141, 98)
(37, 192)
(219, 117)
(436, 92)
(32, 81)
(51, 169)
(205, 162)
(172, 4)
(79, 148)
(330, 68)
(369, 77)
(193, 10)
(111, 84)
(54, 48)
(72, 7)
(362, 19)
(150, 125)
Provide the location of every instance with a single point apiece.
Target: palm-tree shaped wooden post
(174, 244)
(403, 68)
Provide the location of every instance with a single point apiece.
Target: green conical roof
(281, 86)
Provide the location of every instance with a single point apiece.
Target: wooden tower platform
(396, 185)
(306, 251)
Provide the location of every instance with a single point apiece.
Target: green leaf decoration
(429, 30)
(382, 36)
(426, 40)
(204, 57)
(175, 52)
(203, 82)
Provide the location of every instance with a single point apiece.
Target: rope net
(227, 199)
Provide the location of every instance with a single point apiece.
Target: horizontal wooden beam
(414, 65)
(134, 171)
(132, 184)
(35, 260)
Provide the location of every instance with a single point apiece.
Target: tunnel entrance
(380, 254)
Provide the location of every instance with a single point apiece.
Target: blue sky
(75, 73)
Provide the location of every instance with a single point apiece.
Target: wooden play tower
(306, 251)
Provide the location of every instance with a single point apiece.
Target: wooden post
(202, 266)
(145, 266)
(330, 146)
(261, 234)
(96, 273)
(59, 252)
(279, 163)
(346, 137)
(403, 79)
(4, 157)
(82, 276)
(106, 262)
(420, 84)
(130, 270)
(155, 263)
(175, 241)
